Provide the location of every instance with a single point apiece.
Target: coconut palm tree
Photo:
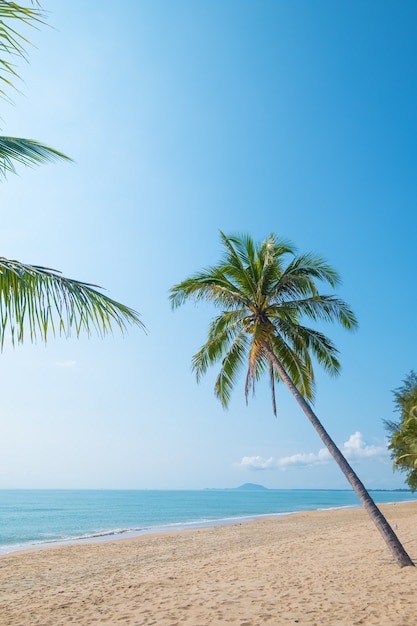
(264, 291)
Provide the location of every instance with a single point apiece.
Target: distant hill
(251, 487)
(245, 487)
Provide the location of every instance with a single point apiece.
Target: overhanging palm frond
(40, 301)
(29, 152)
(12, 43)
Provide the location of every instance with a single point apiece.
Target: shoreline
(120, 533)
(312, 568)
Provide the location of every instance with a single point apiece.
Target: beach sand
(324, 567)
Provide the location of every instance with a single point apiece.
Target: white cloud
(356, 448)
(322, 456)
(257, 463)
(353, 449)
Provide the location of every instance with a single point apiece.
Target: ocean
(36, 518)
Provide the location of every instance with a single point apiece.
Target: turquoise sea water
(36, 518)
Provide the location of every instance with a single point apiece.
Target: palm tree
(263, 300)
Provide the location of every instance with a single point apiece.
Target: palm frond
(12, 43)
(40, 301)
(308, 340)
(237, 263)
(256, 366)
(232, 364)
(210, 285)
(27, 152)
(319, 307)
(222, 333)
(313, 268)
(297, 365)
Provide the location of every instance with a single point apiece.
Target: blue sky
(184, 118)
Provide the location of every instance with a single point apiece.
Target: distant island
(251, 487)
(244, 487)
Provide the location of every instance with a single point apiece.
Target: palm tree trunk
(391, 539)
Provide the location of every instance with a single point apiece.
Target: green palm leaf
(26, 152)
(12, 43)
(232, 362)
(39, 301)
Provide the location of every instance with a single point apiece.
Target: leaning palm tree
(36, 302)
(263, 300)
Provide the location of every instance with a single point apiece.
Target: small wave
(30, 545)
(115, 533)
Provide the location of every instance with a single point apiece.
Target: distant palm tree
(263, 299)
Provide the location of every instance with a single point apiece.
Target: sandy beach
(325, 567)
